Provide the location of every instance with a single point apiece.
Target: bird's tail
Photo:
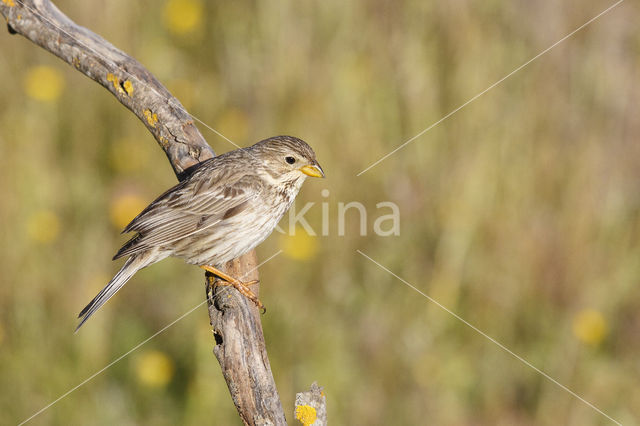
(131, 266)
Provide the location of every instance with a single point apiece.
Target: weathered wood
(234, 335)
(311, 407)
(240, 345)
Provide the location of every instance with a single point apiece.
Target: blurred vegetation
(521, 213)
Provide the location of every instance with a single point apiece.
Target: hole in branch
(218, 337)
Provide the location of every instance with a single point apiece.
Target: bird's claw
(242, 287)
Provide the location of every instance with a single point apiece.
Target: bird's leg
(243, 288)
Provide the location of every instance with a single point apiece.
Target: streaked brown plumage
(227, 206)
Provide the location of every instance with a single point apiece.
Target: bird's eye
(290, 160)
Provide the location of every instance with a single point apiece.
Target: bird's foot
(242, 287)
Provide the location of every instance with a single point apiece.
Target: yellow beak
(313, 170)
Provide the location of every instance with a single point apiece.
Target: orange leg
(237, 284)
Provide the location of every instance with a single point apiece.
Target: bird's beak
(313, 170)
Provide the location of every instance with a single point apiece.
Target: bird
(221, 210)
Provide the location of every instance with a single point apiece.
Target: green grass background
(521, 213)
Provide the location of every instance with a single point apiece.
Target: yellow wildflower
(184, 90)
(589, 326)
(183, 17)
(233, 123)
(154, 369)
(43, 83)
(124, 208)
(127, 155)
(300, 245)
(43, 226)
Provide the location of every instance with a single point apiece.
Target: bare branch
(311, 407)
(240, 346)
(132, 84)
(235, 335)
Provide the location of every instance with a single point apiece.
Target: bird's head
(287, 158)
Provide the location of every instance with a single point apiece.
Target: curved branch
(240, 346)
(132, 84)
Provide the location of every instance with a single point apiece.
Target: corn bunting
(227, 206)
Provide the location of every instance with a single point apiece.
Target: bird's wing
(190, 207)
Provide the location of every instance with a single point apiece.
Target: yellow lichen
(306, 414)
(113, 79)
(164, 141)
(116, 83)
(128, 87)
(152, 117)
(76, 62)
(9, 3)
